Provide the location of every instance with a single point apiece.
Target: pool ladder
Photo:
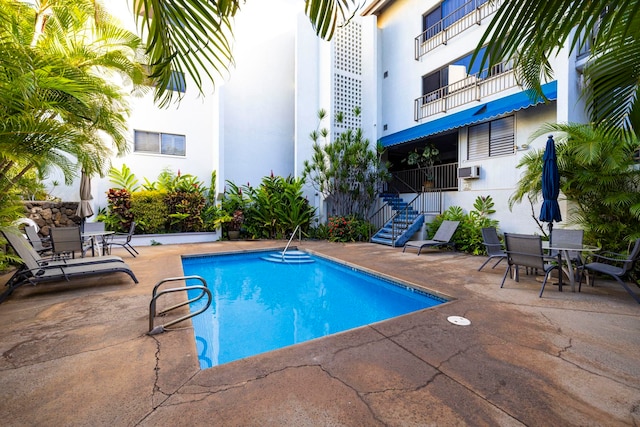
(284, 251)
(157, 294)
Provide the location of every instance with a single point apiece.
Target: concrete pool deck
(77, 354)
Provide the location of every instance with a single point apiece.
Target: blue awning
(489, 110)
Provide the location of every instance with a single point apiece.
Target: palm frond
(186, 36)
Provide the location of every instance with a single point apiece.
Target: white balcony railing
(469, 14)
(473, 88)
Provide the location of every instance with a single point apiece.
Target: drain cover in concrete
(457, 320)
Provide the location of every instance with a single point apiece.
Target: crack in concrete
(564, 349)
(156, 370)
(199, 396)
(156, 387)
(7, 355)
(357, 393)
(444, 374)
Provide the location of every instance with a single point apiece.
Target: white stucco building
(405, 62)
(426, 91)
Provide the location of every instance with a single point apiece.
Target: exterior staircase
(404, 223)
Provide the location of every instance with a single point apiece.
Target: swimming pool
(259, 306)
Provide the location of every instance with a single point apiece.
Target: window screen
(173, 144)
(490, 139)
(146, 142)
(160, 143)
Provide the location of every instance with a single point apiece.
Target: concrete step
(290, 257)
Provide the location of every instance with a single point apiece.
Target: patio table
(563, 253)
(93, 236)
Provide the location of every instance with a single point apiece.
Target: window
(159, 143)
(432, 23)
(452, 73)
(446, 14)
(454, 10)
(432, 82)
(490, 139)
(176, 82)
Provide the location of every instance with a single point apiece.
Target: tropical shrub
(319, 232)
(271, 210)
(276, 207)
(213, 216)
(120, 216)
(150, 211)
(347, 172)
(348, 229)
(185, 210)
(468, 236)
(124, 178)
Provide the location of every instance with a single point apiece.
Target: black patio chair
(560, 236)
(42, 246)
(123, 240)
(36, 270)
(526, 251)
(66, 241)
(615, 265)
(493, 245)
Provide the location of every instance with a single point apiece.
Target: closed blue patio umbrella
(550, 210)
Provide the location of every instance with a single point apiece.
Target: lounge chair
(122, 239)
(441, 238)
(526, 251)
(614, 265)
(26, 251)
(35, 270)
(493, 245)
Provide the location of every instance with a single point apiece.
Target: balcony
(469, 14)
(473, 88)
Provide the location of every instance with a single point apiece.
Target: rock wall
(52, 214)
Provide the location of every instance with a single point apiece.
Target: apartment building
(427, 92)
(407, 63)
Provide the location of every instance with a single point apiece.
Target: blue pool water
(259, 306)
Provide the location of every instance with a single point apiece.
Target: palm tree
(531, 31)
(55, 105)
(193, 36)
(598, 177)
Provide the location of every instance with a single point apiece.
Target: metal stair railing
(426, 201)
(395, 233)
(383, 215)
(157, 294)
(380, 217)
(290, 239)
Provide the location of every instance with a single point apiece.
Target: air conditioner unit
(471, 172)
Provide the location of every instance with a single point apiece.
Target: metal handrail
(405, 211)
(290, 239)
(427, 201)
(471, 89)
(156, 294)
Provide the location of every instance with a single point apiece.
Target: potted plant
(424, 159)
(233, 227)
